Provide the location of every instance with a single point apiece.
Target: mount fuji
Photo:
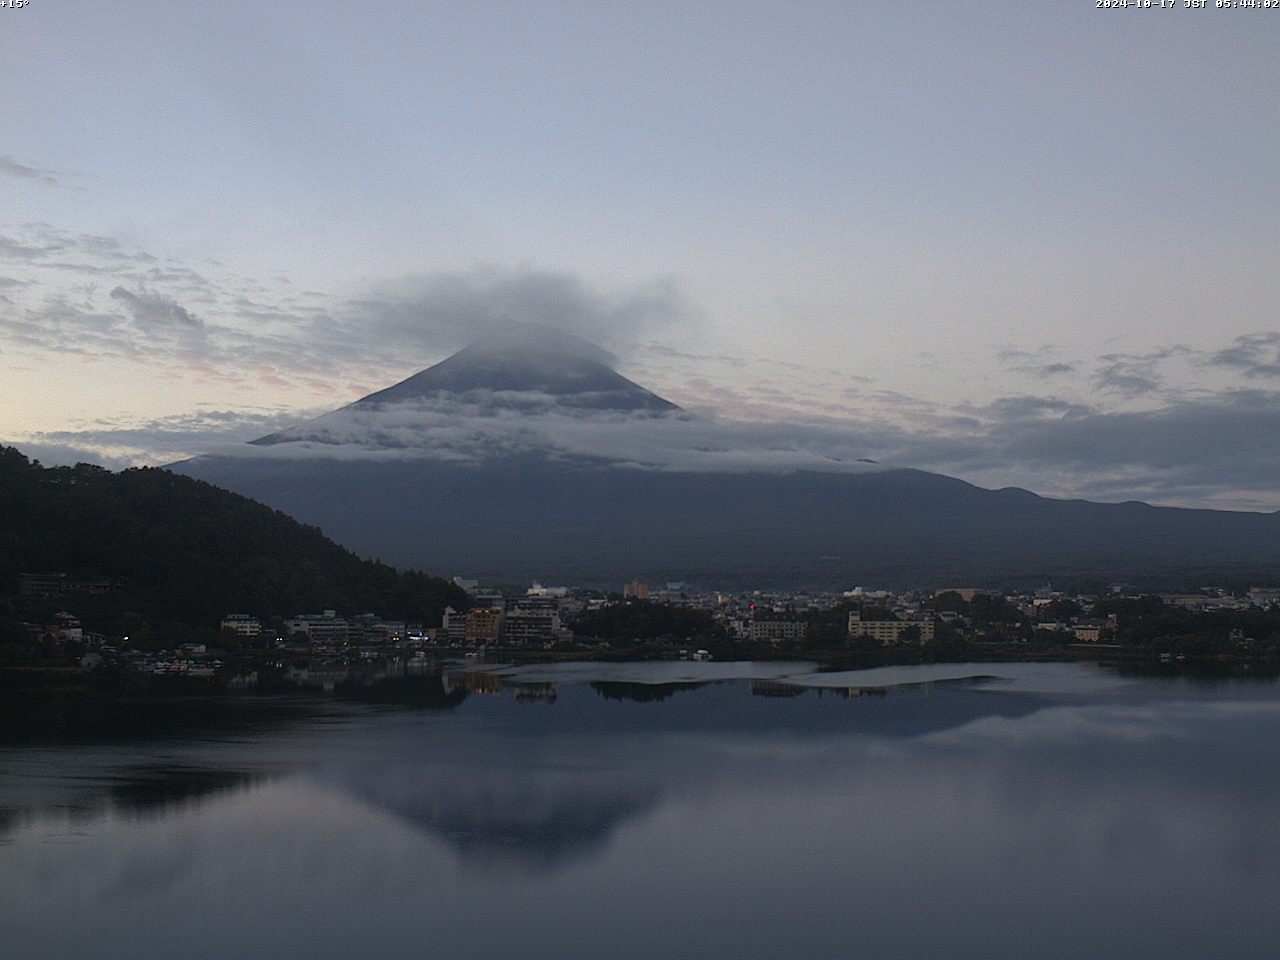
(531, 457)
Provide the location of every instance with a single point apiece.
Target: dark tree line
(185, 552)
(1149, 622)
(646, 620)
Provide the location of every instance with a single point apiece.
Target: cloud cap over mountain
(529, 390)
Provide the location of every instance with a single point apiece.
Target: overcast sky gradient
(1022, 244)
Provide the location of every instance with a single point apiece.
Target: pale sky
(1022, 244)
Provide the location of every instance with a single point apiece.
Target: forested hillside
(184, 552)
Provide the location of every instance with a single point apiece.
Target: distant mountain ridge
(579, 523)
(512, 465)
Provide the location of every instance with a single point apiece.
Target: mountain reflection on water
(534, 817)
(968, 811)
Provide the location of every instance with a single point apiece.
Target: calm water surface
(585, 811)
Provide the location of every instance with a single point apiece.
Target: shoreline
(63, 683)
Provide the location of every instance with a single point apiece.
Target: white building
(888, 631)
(776, 631)
(241, 624)
(326, 627)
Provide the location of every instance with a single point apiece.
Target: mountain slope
(520, 519)
(513, 463)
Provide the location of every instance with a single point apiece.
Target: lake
(655, 810)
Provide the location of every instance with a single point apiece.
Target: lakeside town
(672, 620)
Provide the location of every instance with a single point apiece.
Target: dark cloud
(1135, 375)
(146, 314)
(10, 167)
(151, 311)
(12, 249)
(106, 248)
(1037, 363)
(180, 276)
(1256, 355)
(1032, 408)
(1047, 369)
(240, 329)
(1122, 379)
(118, 443)
(1183, 452)
(60, 324)
(902, 401)
(445, 311)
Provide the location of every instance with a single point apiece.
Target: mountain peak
(511, 339)
(520, 369)
(535, 376)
